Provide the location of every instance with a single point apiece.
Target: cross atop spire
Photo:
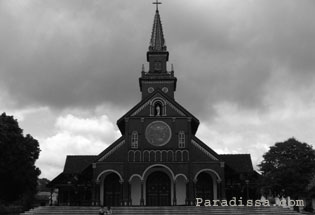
(157, 4)
(157, 42)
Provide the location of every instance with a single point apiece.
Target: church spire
(157, 42)
(157, 77)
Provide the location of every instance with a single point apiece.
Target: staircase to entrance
(174, 210)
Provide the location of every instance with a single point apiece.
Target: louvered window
(134, 140)
(181, 139)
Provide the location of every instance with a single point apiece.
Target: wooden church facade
(158, 160)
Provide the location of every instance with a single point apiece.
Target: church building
(158, 160)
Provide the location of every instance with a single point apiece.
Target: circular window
(158, 133)
(150, 89)
(165, 89)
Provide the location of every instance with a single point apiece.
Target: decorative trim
(112, 151)
(182, 153)
(168, 156)
(203, 150)
(155, 153)
(157, 82)
(176, 109)
(141, 108)
(132, 156)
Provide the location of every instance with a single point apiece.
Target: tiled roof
(76, 163)
(241, 163)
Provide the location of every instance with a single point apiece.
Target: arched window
(157, 107)
(181, 139)
(134, 140)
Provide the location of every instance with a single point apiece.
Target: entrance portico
(158, 186)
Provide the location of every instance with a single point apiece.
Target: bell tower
(157, 77)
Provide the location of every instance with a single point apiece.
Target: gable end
(151, 101)
(203, 150)
(141, 108)
(112, 150)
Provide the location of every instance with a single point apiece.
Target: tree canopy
(288, 168)
(18, 153)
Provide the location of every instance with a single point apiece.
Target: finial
(157, 3)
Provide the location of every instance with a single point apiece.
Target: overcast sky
(246, 69)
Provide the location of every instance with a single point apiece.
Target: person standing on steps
(101, 211)
(109, 211)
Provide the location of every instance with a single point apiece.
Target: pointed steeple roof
(157, 42)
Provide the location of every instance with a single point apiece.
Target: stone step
(176, 210)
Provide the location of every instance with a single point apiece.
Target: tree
(18, 153)
(288, 168)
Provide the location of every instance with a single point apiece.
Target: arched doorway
(204, 186)
(158, 189)
(111, 190)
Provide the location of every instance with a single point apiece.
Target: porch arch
(208, 170)
(157, 165)
(109, 171)
(201, 185)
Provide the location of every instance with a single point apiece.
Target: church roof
(77, 163)
(109, 148)
(206, 147)
(240, 163)
(157, 42)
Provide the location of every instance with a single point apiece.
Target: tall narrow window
(181, 139)
(134, 140)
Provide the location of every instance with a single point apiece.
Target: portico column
(194, 192)
(121, 193)
(126, 193)
(191, 192)
(129, 194)
(174, 192)
(97, 193)
(222, 183)
(93, 194)
(223, 190)
(51, 199)
(141, 199)
(187, 194)
(219, 188)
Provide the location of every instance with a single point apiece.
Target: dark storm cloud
(69, 55)
(234, 53)
(84, 53)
